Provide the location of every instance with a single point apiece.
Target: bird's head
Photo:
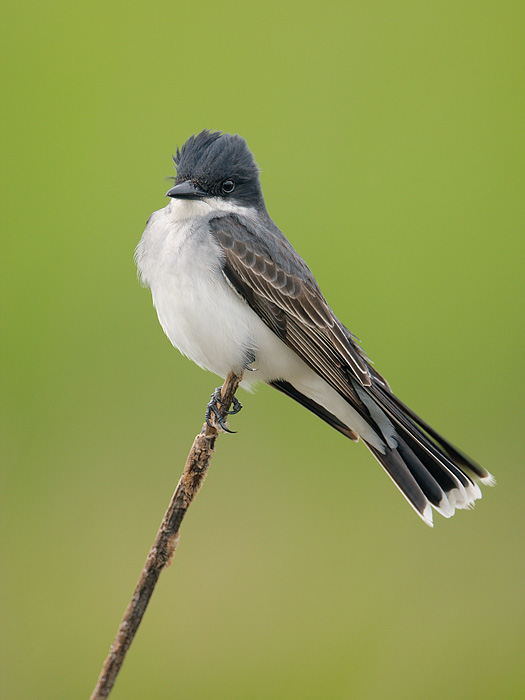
(217, 165)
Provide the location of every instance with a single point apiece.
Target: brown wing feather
(280, 287)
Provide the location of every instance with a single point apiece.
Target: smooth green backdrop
(390, 137)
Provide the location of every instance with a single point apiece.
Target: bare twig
(163, 549)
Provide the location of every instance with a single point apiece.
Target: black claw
(212, 408)
(250, 357)
(220, 420)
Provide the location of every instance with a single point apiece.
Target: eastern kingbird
(231, 293)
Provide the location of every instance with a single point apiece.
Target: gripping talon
(212, 408)
(250, 358)
(220, 420)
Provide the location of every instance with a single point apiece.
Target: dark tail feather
(403, 478)
(456, 455)
(424, 481)
(443, 474)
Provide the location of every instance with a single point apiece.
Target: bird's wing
(267, 272)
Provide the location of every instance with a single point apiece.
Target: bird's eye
(228, 186)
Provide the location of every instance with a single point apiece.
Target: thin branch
(163, 549)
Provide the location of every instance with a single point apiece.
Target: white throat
(183, 209)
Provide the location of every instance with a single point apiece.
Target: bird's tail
(427, 469)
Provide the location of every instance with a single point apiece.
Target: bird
(233, 295)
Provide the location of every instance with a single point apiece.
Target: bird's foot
(250, 359)
(212, 408)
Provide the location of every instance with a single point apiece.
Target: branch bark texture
(163, 549)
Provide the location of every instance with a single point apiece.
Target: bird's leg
(250, 358)
(212, 408)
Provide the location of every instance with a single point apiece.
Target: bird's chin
(182, 209)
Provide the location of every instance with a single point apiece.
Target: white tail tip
(488, 480)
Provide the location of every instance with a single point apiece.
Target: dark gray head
(213, 164)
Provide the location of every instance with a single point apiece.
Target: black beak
(186, 190)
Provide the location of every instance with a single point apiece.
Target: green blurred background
(390, 137)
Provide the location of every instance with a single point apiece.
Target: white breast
(199, 312)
